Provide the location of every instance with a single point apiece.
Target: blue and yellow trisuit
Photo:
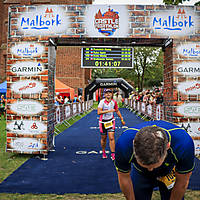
(180, 157)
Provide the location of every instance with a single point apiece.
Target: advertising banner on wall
(107, 21)
(189, 49)
(179, 22)
(44, 20)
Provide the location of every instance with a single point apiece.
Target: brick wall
(4, 24)
(179, 105)
(68, 67)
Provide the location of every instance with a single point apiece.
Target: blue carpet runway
(76, 166)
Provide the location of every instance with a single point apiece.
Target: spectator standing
(3, 106)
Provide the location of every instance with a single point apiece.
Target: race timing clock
(107, 57)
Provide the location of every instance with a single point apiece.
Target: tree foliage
(147, 69)
(177, 2)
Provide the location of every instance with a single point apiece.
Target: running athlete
(106, 109)
(162, 155)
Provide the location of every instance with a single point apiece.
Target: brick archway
(36, 31)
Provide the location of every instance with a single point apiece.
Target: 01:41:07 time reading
(107, 63)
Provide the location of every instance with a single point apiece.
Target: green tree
(147, 70)
(177, 2)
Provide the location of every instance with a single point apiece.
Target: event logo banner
(189, 87)
(27, 107)
(107, 21)
(192, 128)
(27, 49)
(189, 50)
(189, 109)
(189, 68)
(26, 144)
(27, 87)
(27, 127)
(179, 22)
(27, 68)
(45, 20)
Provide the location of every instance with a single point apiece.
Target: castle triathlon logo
(107, 23)
(180, 22)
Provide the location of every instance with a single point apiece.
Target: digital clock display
(107, 57)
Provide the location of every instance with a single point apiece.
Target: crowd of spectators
(59, 100)
(148, 96)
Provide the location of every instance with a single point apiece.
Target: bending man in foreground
(106, 109)
(162, 155)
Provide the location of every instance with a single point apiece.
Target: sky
(139, 2)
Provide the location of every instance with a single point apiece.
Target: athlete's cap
(108, 90)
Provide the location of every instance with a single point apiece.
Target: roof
(61, 87)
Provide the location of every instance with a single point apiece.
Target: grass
(9, 162)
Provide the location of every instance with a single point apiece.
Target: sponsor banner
(27, 107)
(107, 21)
(189, 50)
(190, 87)
(58, 115)
(27, 49)
(67, 111)
(192, 128)
(27, 87)
(138, 106)
(90, 152)
(189, 109)
(131, 103)
(26, 144)
(197, 147)
(79, 107)
(134, 105)
(189, 68)
(31, 127)
(83, 106)
(158, 112)
(27, 68)
(149, 110)
(179, 22)
(74, 109)
(126, 101)
(46, 20)
(143, 107)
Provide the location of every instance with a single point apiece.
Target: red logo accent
(107, 23)
(34, 126)
(49, 13)
(181, 14)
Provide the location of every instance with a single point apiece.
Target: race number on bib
(169, 179)
(108, 124)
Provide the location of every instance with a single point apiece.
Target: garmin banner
(34, 32)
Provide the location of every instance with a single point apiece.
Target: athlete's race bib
(169, 179)
(108, 124)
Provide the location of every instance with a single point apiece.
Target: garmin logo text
(108, 84)
(189, 68)
(27, 68)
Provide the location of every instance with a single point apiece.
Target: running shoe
(112, 156)
(104, 155)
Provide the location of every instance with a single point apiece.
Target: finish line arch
(107, 83)
(34, 32)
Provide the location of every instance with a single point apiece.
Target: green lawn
(9, 162)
